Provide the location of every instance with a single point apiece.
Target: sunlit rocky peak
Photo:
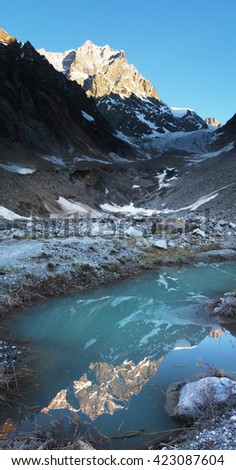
(102, 71)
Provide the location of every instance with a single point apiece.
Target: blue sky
(186, 48)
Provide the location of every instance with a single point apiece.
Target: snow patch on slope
(69, 209)
(142, 118)
(16, 169)
(132, 210)
(87, 116)
(125, 138)
(161, 180)
(10, 215)
(53, 159)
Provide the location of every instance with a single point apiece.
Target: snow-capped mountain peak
(102, 70)
(180, 112)
(61, 61)
(212, 123)
(128, 101)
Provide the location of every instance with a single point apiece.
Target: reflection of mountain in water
(59, 402)
(107, 388)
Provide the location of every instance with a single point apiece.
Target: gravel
(217, 434)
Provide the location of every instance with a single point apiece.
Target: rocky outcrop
(226, 135)
(202, 399)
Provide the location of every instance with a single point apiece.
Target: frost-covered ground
(56, 256)
(219, 433)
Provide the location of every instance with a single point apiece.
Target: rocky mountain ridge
(6, 38)
(127, 100)
(45, 114)
(101, 71)
(59, 153)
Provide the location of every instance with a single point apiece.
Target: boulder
(134, 232)
(225, 309)
(201, 399)
(160, 244)
(199, 232)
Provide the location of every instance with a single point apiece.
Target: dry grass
(6, 386)
(35, 443)
(51, 437)
(211, 370)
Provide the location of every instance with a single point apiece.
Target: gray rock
(199, 232)
(203, 398)
(222, 223)
(171, 244)
(226, 307)
(160, 244)
(82, 445)
(133, 232)
(18, 234)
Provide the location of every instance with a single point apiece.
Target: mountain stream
(106, 358)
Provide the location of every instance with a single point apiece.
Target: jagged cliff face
(55, 141)
(226, 134)
(101, 71)
(48, 129)
(43, 112)
(127, 100)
